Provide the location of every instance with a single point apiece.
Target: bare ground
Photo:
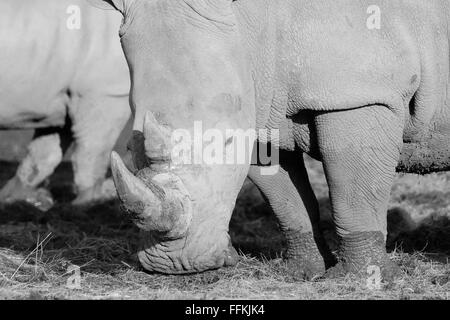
(37, 249)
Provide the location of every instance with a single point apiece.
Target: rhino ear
(108, 4)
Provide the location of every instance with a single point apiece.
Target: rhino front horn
(161, 204)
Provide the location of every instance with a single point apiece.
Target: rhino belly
(37, 62)
(34, 113)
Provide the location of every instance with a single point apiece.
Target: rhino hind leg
(97, 124)
(292, 199)
(360, 149)
(44, 154)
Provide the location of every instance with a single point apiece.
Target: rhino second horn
(157, 139)
(164, 207)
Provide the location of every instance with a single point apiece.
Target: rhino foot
(301, 269)
(231, 256)
(388, 271)
(364, 254)
(307, 256)
(41, 198)
(15, 191)
(100, 192)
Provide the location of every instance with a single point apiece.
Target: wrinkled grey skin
(50, 73)
(363, 101)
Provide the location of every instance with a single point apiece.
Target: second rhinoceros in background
(61, 60)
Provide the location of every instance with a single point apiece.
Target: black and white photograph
(237, 150)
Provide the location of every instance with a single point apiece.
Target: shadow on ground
(99, 235)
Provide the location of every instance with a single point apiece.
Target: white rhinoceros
(61, 62)
(363, 88)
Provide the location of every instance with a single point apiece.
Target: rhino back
(322, 56)
(43, 62)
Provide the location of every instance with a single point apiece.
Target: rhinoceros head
(193, 104)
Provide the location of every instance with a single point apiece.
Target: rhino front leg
(44, 154)
(360, 150)
(293, 201)
(97, 124)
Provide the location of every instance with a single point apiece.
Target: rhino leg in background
(293, 201)
(44, 154)
(97, 124)
(360, 149)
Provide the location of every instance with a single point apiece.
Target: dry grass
(38, 248)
